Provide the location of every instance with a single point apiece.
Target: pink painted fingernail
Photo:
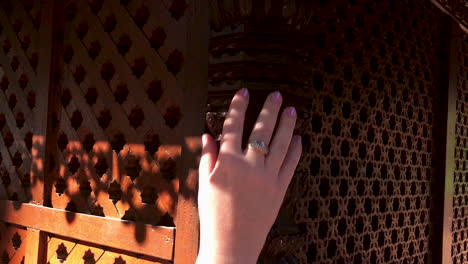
(244, 92)
(291, 111)
(276, 96)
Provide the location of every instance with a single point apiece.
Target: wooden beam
(36, 247)
(195, 91)
(52, 10)
(450, 147)
(158, 241)
(445, 112)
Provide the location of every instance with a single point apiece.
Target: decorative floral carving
(292, 13)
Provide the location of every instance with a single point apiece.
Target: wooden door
(100, 119)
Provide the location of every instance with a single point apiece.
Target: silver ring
(259, 146)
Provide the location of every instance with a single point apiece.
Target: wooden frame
(450, 147)
(114, 233)
(181, 244)
(187, 222)
(85, 227)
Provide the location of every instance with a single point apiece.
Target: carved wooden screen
(458, 9)
(460, 191)
(99, 116)
(365, 76)
(20, 98)
(370, 135)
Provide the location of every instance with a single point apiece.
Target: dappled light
(93, 130)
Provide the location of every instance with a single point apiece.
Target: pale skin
(241, 190)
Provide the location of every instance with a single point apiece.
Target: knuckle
(228, 122)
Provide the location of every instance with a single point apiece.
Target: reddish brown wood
(12, 243)
(195, 87)
(187, 221)
(44, 84)
(68, 251)
(457, 9)
(108, 232)
(36, 247)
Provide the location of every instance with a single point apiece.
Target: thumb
(209, 156)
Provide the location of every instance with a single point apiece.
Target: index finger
(233, 126)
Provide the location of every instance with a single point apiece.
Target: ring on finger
(259, 146)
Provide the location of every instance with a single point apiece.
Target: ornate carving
(288, 13)
(351, 67)
(458, 9)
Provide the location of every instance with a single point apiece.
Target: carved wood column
(253, 44)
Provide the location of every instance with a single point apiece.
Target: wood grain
(107, 232)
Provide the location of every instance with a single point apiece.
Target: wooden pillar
(194, 87)
(255, 45)
(45, 118)
(445, 110)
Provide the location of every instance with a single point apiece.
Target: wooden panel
(122, 104)
(72, 251)
(458, 184)
(194, 90)
(111, 101)
(20, 97)
(362, 192)
(12, 243)
(36, 247)
(157, 242)
(458, 9)
(450, 142)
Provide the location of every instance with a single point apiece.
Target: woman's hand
(241, 191)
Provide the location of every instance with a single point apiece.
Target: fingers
(234, 123)
(266, 121)
(290, 162)
(209, 156)
(281, 142)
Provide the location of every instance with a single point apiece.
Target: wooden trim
(114, 233)
(195, 93)
(36, 247)
(43, 84)
(450, 147)
(444, 134)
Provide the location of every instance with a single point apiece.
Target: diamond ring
(259, 146)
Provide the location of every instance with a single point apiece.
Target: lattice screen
(362, 194)
(117, 126)
(460, 197)
(18, 64)
(19, 57)
(458, 9)
(120, 92)
(68, 251)
(12, 243)
(368, 143)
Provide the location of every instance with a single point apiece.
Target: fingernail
(276, 96)
(244, 92)
(291, 111)
(297, 139)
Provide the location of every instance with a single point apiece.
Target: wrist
(212, 257)
(221, 252)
